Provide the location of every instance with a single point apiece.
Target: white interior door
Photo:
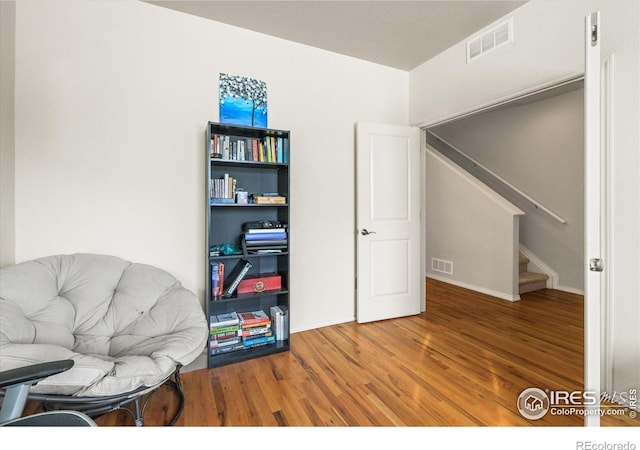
(594, 265)
(388, 221)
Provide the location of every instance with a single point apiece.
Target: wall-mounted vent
(442, 266)
(490, 40)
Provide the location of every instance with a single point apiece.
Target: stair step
(523, 258)
(523, 263)
(532, 281)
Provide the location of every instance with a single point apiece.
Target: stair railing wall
(487, 176)
(472, 233)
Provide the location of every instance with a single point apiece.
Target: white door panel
(388, 221)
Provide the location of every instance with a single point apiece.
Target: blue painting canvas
(243, 101)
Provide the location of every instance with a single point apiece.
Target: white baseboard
(462, 284)
(313, 326)
(570, 290)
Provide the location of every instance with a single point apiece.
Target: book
(285, 151)
(220, 278)
(280, 150)
(268, 149)
(226, 348)
(248, 318)
(261, 282)
(273, 149)
(264, 340)
(226, 319)
(279, 319)
(256, 331)
(226, 147)
(265, 230)
(254, 147)
(224, 329)
(265, 236)
(213, 343)
(265, 251)
(267, 243)
(225, 335)
(215, 279)
(257, 335)
(235, 277)
(268, 199)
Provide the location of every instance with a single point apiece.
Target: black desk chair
(15, 385)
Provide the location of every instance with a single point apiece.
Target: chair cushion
(125, 325)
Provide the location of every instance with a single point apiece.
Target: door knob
(595, 265)
(365, 232)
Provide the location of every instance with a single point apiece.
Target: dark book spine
(239, 271)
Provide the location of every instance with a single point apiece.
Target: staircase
(530, 281)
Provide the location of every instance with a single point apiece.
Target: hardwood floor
(463, 362)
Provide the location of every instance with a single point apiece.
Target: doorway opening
(530, 152)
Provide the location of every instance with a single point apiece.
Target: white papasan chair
(128, 327)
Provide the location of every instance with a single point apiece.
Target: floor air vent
(442, 266)
(490, 40)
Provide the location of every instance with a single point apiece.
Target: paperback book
(259, 341)
(253, 318)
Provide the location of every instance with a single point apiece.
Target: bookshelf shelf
(255, 161)
(249, 256)
(250, 296)
(232, 163)
(250, 205)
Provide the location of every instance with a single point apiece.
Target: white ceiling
(398, 33)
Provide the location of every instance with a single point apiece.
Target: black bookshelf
(234, 152)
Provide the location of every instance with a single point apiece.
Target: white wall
(112, 99)
(483, 250)
(548, 45)
(538, 147)
(7, 135)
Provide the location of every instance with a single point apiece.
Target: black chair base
(133, 402)
(53, 419)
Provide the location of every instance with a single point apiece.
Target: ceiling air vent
(490, 40)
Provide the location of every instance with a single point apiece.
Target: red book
(256, 157)
(253, 318)
(260, 283)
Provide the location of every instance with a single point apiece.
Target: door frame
(594, 359)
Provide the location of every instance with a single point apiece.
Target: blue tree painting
(243, 101)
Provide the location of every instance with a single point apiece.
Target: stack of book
(264, 240)
(255, 329)
(268, 198)
(270, 149)
(225, 333)
(223, 189)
